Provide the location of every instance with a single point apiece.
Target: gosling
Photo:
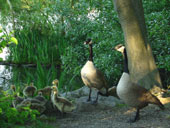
(29, 91)
(46, 91)
(61, 103)
(41, 98)
(33, 105)
(17, 99)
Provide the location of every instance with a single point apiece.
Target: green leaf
(3, 44)
(13, 40)
(0, 110)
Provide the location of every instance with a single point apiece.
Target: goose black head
(121, 48)
(88, 41)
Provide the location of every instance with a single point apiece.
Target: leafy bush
(6, 39)
(158, 36)
(9, 116)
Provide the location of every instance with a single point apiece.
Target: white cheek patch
(121, 49)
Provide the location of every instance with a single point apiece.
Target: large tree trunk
(141, 62)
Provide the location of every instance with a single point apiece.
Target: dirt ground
(116, 117)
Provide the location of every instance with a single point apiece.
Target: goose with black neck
(131, 93)
(92, 77)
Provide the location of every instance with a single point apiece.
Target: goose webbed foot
(136, 117)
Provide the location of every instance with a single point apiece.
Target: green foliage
(158, 36)
(155, 6)
(6, 39)
(157, 22)
(10, 116)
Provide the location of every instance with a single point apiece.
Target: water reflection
(5, 71)
(41, 76)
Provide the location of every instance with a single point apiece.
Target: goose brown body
(135, 95)
(92, 77)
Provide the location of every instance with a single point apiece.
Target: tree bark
(141, 63)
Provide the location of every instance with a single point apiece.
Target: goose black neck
(91, 53)
(126, 70)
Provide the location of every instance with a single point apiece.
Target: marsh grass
(40, 76)
(34, 47)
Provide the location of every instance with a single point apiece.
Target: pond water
(5, 71)
(40, 76)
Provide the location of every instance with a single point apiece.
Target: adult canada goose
(17, 99)
(29, 91)
(131, 93)
(62, 104)
(92, 77)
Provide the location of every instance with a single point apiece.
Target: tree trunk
(141, 62)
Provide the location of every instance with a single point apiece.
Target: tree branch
(27, 64)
